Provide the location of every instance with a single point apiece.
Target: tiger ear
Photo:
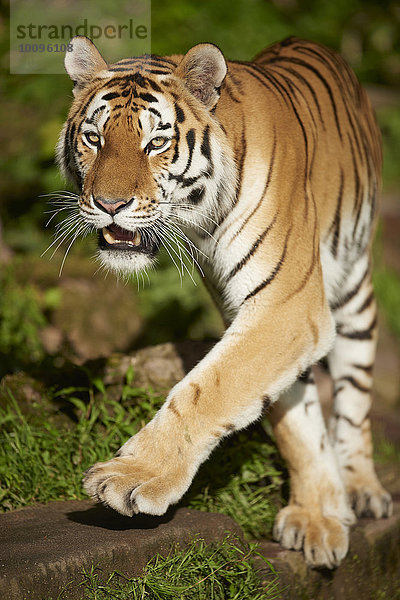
(203, 69)
(83, 61)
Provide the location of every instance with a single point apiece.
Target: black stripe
(155, 59)
(302, 63)
(180, 115)
(158, 72)
(196, 195)
(357, 196)
(190, 140)
(110, 96)
(274, 273)
(189, 180)
(228, 90)
(364, 334)
(268, 181)
(336, 67)
(289, 101)
(309, 87)
(367, 303)
(337, 219)
(355, 130)
(252, 250)
(176, 149)
(154, 111)
(185, 181)
(366, 368)
(294, 90)
(205, 144)
(356, 384)
(276, 88)
(91, 120)
(139, 79)
(350, 295)
(120, 69)
(350, 421)
(87, 103)
(165, 126)
(242, 160)
(240, 163)
(66, 144)
(148, 97)
(71, 136)
(154, 86)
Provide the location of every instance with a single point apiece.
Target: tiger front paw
(129, 487)
(324, 540)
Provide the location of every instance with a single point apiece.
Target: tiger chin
(268, 174)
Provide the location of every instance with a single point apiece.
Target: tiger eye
(92, 138)
(158, 142)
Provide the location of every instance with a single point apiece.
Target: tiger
(268, 172)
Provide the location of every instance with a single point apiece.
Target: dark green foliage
(21, 318)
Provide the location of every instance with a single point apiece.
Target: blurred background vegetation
(82, 314)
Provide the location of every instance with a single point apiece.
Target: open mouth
(114, 237)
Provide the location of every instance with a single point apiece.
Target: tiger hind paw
(324, 540)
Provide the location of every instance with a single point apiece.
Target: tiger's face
(142, 145)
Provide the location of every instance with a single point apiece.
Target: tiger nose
(111, 205)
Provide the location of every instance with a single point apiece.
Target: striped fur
(270, 171)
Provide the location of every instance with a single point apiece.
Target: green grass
(42, 459)
(389, 123)
(199, 572)
(387, 289)
(385, 451)
(243, 480)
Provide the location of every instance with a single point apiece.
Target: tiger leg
(351, 363)
(224, 392)
(318, 516)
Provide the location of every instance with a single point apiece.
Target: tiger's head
(145, 149)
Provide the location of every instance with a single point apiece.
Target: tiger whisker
(185, 238)
(83, 228)
(62, 235)
(161, 237)
(57, 211)
(194, 224)
(64, 229)
(61, 240)
(195, 209)
(176, 232)
(60, 194)
(167, 234)
(192, 208)
(183, 264)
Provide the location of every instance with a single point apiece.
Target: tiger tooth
(110, 239)
(137, 239)
(108, 236)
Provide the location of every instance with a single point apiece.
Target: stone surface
(371, 570)
(45, 548)
(160, 367)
